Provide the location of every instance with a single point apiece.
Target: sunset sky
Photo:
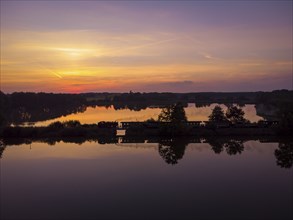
(175, 46)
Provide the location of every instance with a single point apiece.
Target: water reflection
(172, 150)
(123, 178)
(216, 144)
(2, 148)
(232, 146)
(44, 115)
(284, 155)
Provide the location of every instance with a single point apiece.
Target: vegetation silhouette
(174, 113)
(2, 148)
(71, 128)
(284, 155)
(172, 150)
(20, 107)
(176, 116)
(285, 117)
(217, 144)
(217, 115)
(231, 146)
(235, 115)
(234, 147)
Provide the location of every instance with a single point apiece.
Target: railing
(197, 124)
(192, 124)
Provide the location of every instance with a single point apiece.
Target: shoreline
(93, 130)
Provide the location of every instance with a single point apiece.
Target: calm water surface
(96, 114)
(144, 181)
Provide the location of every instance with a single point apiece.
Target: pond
(96, 114)
(153, 179)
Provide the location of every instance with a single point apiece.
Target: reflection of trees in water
(23, 114)
(284, 155)
(2, 148)
(31, 107)
(217, 145)
(232, 146)
(130, 106)
(172, 150)
(202, 104)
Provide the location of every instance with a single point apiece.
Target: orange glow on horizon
(188, 56)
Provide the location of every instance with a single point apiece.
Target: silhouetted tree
(235, 114)
(285, 117)
(150, 120)
(217, 115)
(173, 113)
(4, 110)
(284, 155)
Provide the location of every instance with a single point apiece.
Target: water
(172, 179)
(96, 114)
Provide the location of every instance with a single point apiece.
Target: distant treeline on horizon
(21, 98)
(195, 96)
(21, 107)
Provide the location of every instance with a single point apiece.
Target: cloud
(146, 46)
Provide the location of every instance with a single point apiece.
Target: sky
(146, 46)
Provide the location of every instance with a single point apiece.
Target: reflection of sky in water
(91, 181)
(93, 115)
(94, 150)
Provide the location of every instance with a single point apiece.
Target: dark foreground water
(170, 180)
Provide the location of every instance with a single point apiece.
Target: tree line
(176, 114)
